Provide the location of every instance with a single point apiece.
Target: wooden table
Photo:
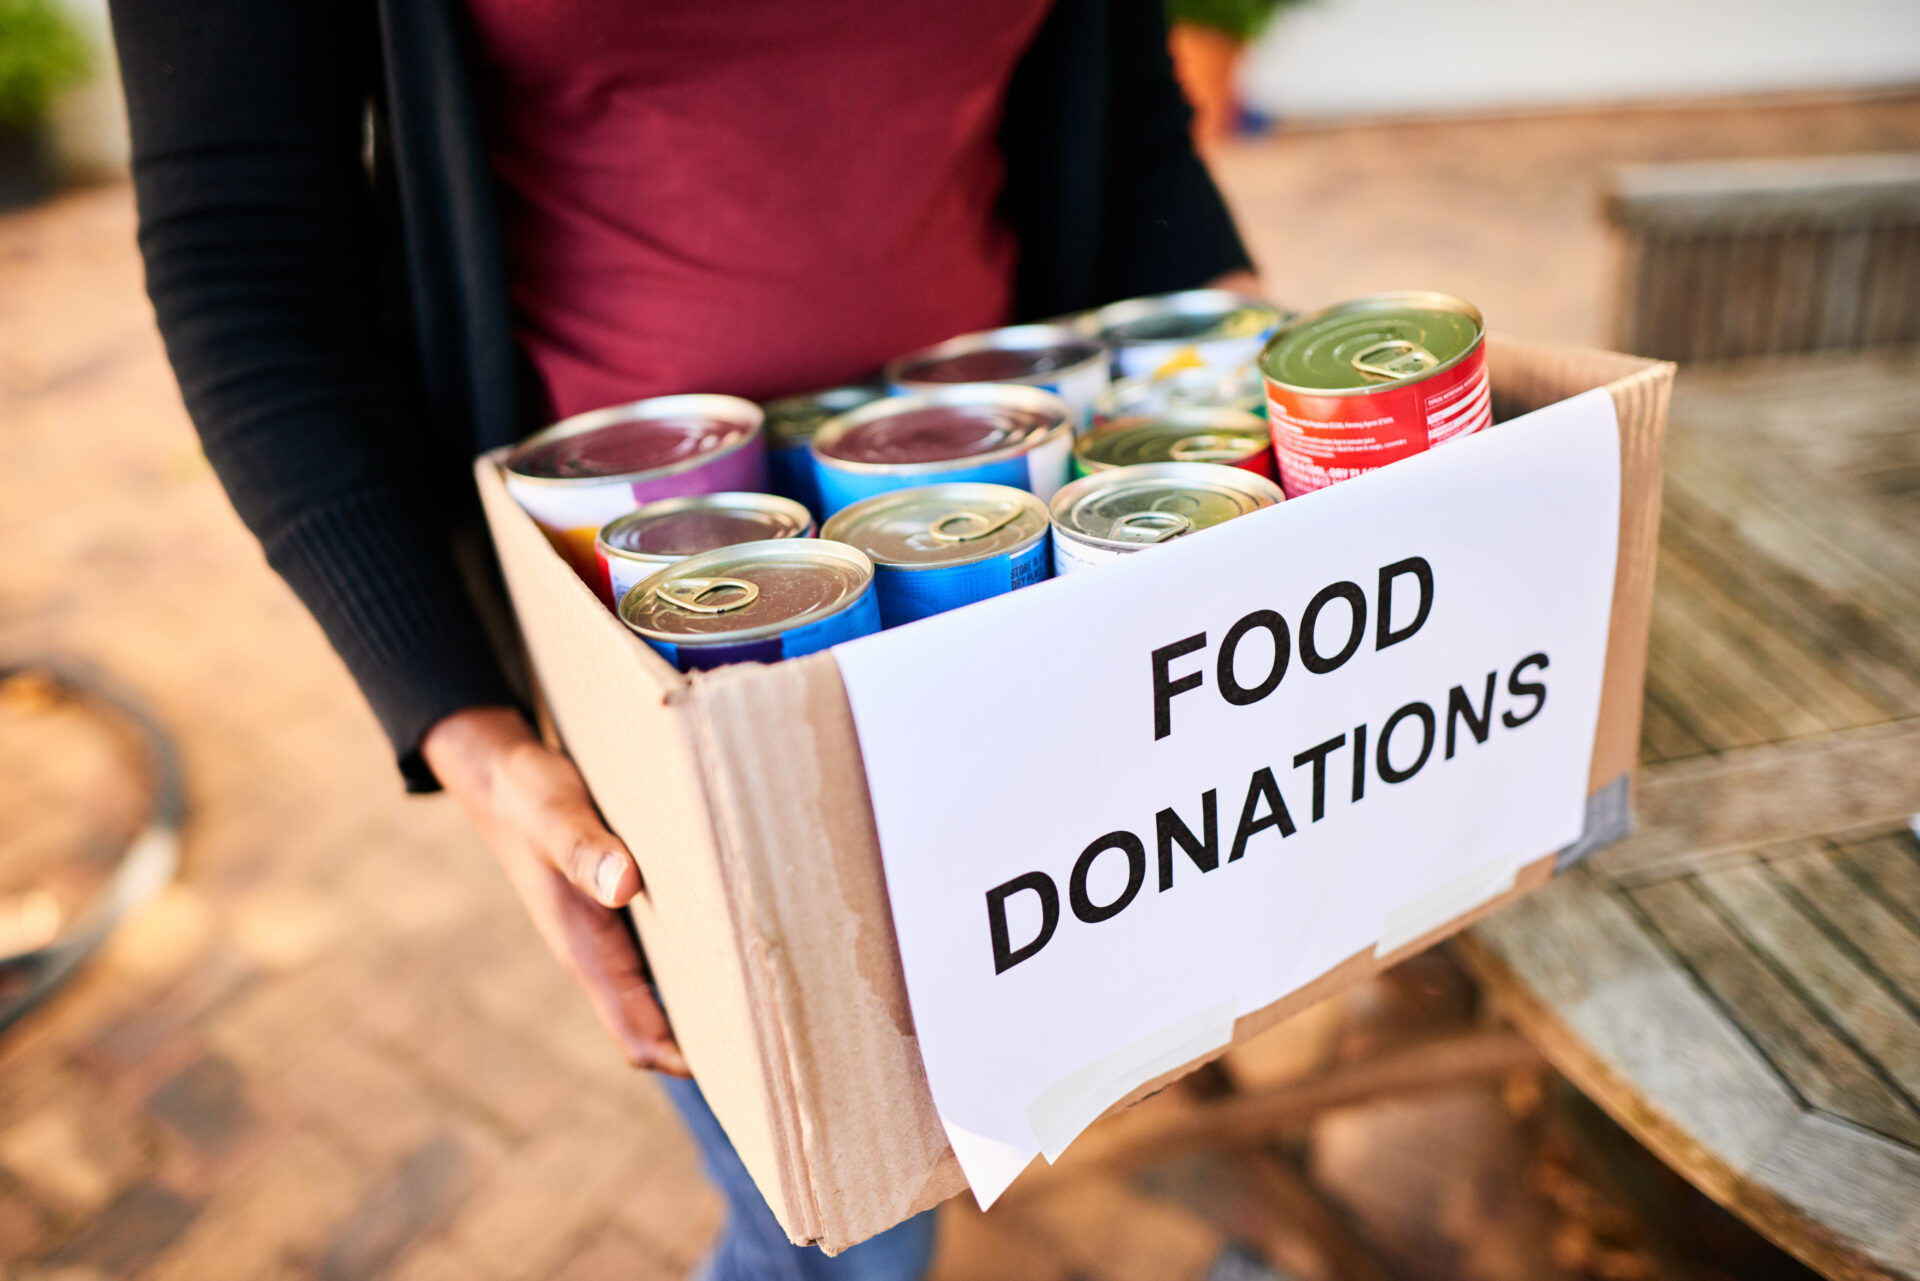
(1739, 982)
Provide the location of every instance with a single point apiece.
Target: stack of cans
(986, 463)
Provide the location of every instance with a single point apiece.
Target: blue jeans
(752, 1245)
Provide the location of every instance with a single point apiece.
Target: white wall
(1374, 57)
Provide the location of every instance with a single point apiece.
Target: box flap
(621, 711)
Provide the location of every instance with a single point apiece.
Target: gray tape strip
(1609, 819)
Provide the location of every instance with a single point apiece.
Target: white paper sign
(1115, 813)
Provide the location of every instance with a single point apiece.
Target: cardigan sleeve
(263, 256)
(1166, 226)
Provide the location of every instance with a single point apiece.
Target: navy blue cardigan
(317, 221)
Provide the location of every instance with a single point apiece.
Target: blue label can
(755, 603)
(790, 426)
(938, 547)
(1073, 365)
(983, 433)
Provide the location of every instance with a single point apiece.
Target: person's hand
(532, 809)
(1238, 282)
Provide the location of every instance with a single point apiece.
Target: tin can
(992, 433)
(791, 423)
(1224, 436)
(1184, 389)
(939, 547)
(1055, 358)
(1114, 513)
(642, 543)
(583, 471)
(754, 603)
(1165, 334)
(1368, 382)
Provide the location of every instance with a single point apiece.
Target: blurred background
(329, 1044)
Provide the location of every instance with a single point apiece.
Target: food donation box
(923, 906)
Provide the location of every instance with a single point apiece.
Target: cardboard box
(743, 796)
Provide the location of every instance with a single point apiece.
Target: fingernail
(606, 877)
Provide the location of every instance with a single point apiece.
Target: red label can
(1366, 383)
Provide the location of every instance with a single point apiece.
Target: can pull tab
(965, 527)
(1150, 527)
(708, 595)
(1394, 358)
(1208, 449)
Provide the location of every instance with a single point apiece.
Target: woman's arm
(263, 262)
(1166, 226)
(263, 259)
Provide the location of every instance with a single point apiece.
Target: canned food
(1224, 436)
(1114, 513)
(754, 603)
(990, 433)
(791, 422)
(939, 547)
(583, 471)
(643, 543)
(1159, 336)
(1184, 389)
(1055, 358)
(1368, 382)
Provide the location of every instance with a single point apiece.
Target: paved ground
(335, 1048)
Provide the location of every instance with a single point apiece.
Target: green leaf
(41, 53)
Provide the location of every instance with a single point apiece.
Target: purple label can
(584, 471)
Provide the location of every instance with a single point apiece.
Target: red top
(747, 196)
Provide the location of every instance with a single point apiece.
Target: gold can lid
(952, 524)
(1373, 342)
(1130, 507)
(1191, 436)
(748, 591)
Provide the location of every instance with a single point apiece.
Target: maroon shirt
(746, 196)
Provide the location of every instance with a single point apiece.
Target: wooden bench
(1740, 258)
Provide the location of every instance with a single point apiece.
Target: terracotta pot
(1205, 60)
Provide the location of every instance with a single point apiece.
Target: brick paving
(334, 1048)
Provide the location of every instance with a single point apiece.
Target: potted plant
(41, 53)
(1207, 38)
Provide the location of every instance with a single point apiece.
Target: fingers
(599, 953)
(545, 798)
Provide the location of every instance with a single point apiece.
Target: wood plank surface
(1739, 981)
